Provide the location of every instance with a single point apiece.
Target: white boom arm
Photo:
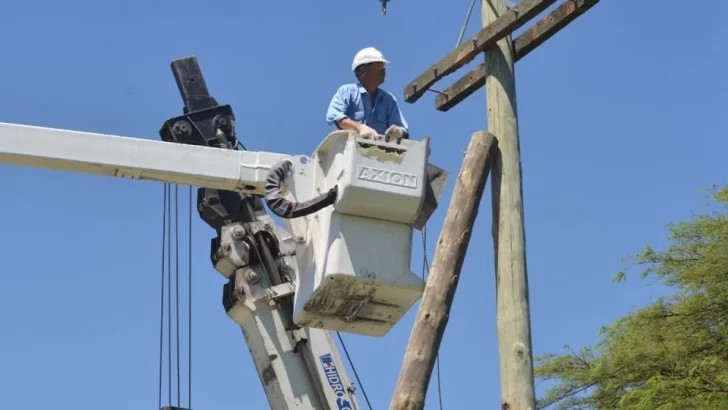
(135, 158)
(348, 256)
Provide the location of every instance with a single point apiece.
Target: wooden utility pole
(513, 321)
(434, 311)
(509, 236)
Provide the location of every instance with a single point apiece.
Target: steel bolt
(181, 127)
(221, 122)
(252, 276)
(238, 231)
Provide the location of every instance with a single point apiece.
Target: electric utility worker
(364, 106)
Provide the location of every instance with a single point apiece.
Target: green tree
(673, 353)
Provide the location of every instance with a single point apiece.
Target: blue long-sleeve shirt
(353, 101)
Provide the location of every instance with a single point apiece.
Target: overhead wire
(425, 262)
(508, 4)
(169, 294)
(176, 281)
(465, 24)
(353, 368)
(189, 303)
(166, 280)
(161, 307)
(425, 274)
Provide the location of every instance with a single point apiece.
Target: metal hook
(384, 6)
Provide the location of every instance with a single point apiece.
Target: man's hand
(366, 132)
(394, 133)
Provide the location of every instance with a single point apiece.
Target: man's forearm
(348, 124)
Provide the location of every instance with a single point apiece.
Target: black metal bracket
(206, 123)
(214, 127)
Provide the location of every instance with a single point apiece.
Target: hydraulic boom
(341, 262)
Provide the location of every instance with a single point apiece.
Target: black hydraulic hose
(274, 276)
(266, 259)
(288, 209)
(259, 248)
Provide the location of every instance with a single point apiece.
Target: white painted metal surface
(283, 372)
(352, 258)
(355, 255)
(377, 179)
(135, 158)
(355, 263)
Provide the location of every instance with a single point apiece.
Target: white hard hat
(368, 55)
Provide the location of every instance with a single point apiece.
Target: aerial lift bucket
(354, 265)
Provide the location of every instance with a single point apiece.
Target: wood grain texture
(452, 245)
(509, 238)
(523, 45)
(471, 48)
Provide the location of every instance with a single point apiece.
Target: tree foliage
(669, 355)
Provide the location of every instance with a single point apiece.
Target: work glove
(366, 132)
(394, 133)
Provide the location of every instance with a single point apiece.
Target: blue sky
(621, 119)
